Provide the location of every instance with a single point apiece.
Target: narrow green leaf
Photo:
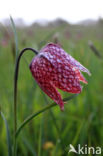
(40, 137)
(78, 133)
(7, 135)
(28, 145)
(29, 118)
(15, 35)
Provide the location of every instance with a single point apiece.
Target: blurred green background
(51, 133)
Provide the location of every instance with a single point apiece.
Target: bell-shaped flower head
(53, 68)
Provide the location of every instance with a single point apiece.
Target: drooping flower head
(53, 68)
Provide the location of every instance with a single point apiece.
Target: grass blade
(15, 35)
(28, 146)
(40, 137)
(8, 135)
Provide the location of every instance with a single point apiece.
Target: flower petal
(62, 75)
(77, 64)
(56, 50)
(52, 92)
(41, 70)
(79, 75)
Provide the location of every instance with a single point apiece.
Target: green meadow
(51, 132)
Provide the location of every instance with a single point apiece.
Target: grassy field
(51, 133)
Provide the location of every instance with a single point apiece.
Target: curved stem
(15, 90)
(39, 112)
(15, 81)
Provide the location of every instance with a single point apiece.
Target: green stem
(15, 91)
(39, 112)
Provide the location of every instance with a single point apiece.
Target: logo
(85, 149)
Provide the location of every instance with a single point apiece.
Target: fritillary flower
(53, 68)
